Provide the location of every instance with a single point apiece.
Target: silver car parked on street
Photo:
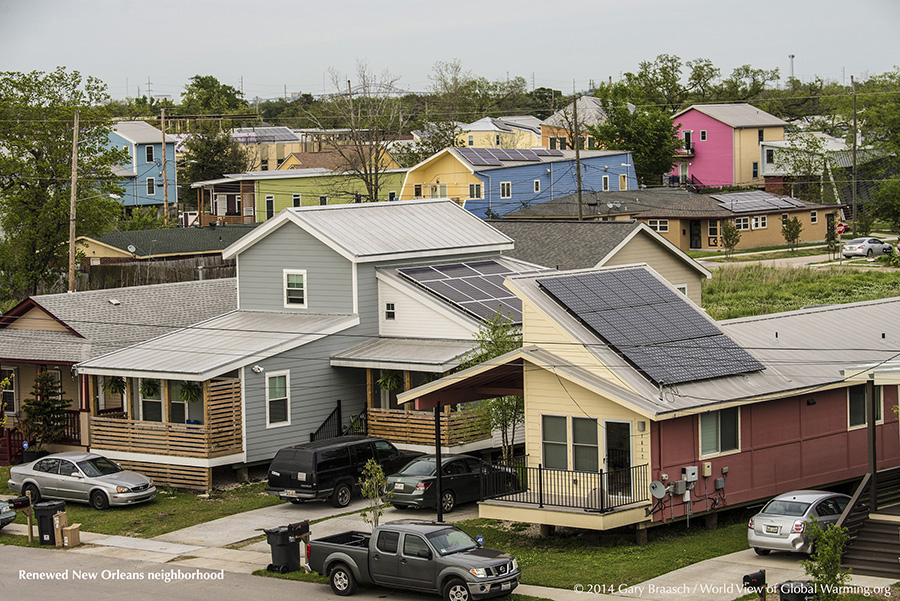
(81, 477)
(782, 524)
(865, 247)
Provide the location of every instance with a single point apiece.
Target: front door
(683, 175)
(696, 238)
(617, 458)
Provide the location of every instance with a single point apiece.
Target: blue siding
(136, 187)
(556, 179)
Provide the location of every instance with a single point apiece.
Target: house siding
(747, 152)
(416, 319)
(785, 444)
(340, 189)
(445, 170)
(136, 187)
(329, 276)
(643, 249)
(713, 161)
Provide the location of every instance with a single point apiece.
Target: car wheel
(342, 581)
(456, 590)
(759, 551)
(35, 493)
(448, 501)
(341, 496)
(870, 253)
(99, 500)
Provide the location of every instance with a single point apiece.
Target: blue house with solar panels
(492, 182)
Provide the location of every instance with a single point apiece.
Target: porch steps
(876, 549)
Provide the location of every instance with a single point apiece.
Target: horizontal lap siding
(642, 249)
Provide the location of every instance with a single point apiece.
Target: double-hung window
(148, 153)
(742, 223)
(856, 405)
(295, 288)
(760, 222)
(270, 206)
(585, 445)
(151, 400)
(505, 189)
(813, 217)
(151, 186)
(296, 199)
(474, 190)
(555, 442)
(658, 225)
(606, 183)
(278, 399)
(8, 401)
(719, 431)
(537, 186)
(623, 182)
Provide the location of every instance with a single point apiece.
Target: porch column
(407, 385)
(164, 395)
(93, 406)
(370, 388)
(129, 399)
(205, 388)
(873, 458)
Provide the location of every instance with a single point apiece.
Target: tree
(142, 218)
(374, 117)
(790, 229)
(886, 201)
(824, 566)
(44, 421)
(206, 95)
(373, 486)
(648, 133)
(209, 156)
(37, 112)
(495, 337)
(658, 83)
(435, 138)
(731, 237)
(803, 163)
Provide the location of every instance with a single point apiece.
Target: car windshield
(101, 466)
(784, 507)
(424, 467)
(451, 540)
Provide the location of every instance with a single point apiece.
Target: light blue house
(492, 182)
(143, 178)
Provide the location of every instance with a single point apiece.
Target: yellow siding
(559, 516)
(488, 139)
(37, 319)
(94, 250)
(746, 152)
(444, 176)
(643, 249)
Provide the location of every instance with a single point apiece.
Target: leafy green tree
(495, 337)
(746, 83)
(803, 162)
(43, 421)
(658, 83)
(831, 237)
(209, 156)
(824, 565)
(436, 137)
(206, 95)
(731, 237)
(790, 229)
(373, 486)
(142, 218)
(37, 112)
(886, 200)
(647, 132)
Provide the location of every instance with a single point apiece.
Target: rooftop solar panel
(651, 326)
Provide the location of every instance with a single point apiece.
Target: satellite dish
(131, 248)
(657, 489)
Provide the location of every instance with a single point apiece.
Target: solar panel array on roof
(756, 202)
(475, 287)
(494, 157)
(650, 325)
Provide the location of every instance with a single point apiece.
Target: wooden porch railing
(417, 427)
(10, 446)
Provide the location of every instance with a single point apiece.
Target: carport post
(437, 456)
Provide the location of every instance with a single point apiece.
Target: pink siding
(713, 163)
(785, 445)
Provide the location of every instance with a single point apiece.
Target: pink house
(722, 144)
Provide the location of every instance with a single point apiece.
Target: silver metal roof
(375, 231)
(141, 132)
(218, 345)
(736, 115)
(412, 354)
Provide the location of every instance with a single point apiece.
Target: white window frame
(682, 288)
(879, 407)
(323, 200)
(297, 199)
(476, 188)
(471, 140)
(497, 140)
(814, 217)
(718, 416)
(537, 186)
(160, 400)
(712, 228)
(606, 183)
(759, 222)
(10, 372)
(742, 224)
(658, 225)
(286, 374)
(270, 202)
(290, 305)
(149, 153)
(623, 181)
(151, 186)
(505, 189)
(703, 135)
(390, 311)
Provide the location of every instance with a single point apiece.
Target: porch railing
(10, 446)
(72, 427)
(887, 492)
(417, 427)
(600, 492)
(160, 438)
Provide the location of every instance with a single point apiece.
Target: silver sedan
(81, 477)
(865, 247)
(782, 524)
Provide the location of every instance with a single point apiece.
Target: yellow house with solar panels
(501, 132)
(441, 176)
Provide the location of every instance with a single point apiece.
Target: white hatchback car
(781, 525)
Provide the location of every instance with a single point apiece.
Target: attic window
(115, 302)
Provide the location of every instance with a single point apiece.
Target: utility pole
(165, 170)
(577, 136)
(853, 192)
(72, 204)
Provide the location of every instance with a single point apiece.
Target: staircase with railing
(333, 426)
(874, 547)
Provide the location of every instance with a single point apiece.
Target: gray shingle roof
(705, 206)
(177, 241)
(595, 203)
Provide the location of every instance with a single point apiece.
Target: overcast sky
(267, 46)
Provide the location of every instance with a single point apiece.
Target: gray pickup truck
(416, 555)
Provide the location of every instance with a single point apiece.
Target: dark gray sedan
(81, 477)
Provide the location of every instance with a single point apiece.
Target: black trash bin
(796, 590)
(285, 543)
(44, 513)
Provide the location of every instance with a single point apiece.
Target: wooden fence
(417, 427)
(139, 273)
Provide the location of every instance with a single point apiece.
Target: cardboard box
(60, 521)
(71, 535)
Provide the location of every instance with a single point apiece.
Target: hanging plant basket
(389, 380)
(114, 385)
(190, 392)
(150, 388)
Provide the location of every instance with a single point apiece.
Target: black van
(330, 468)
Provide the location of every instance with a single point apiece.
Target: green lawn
(744, 290)
(170, 511)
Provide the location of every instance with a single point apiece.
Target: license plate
(398, 485)
(506, 585)
(772, 529)
(301, 476)
(290, 493)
